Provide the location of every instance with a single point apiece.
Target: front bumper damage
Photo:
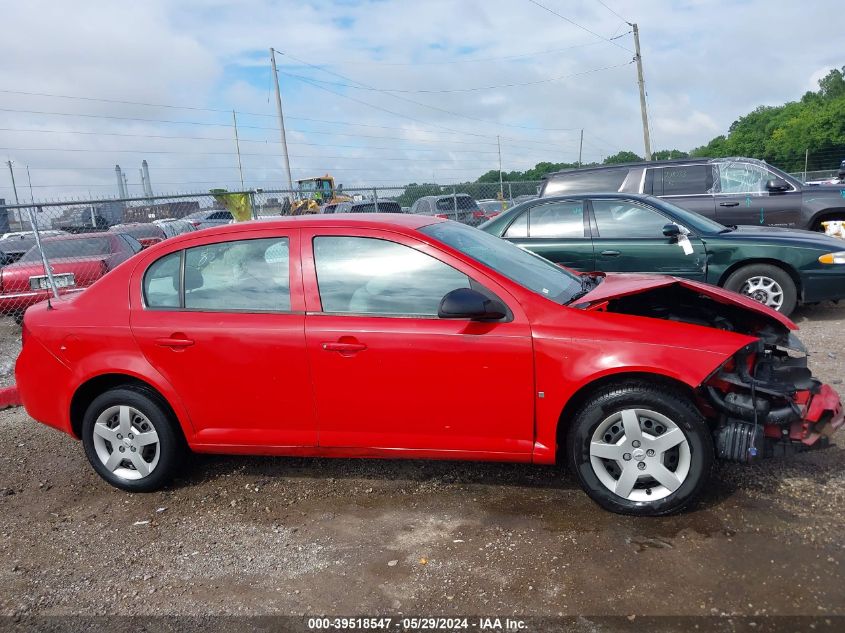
(764, 402)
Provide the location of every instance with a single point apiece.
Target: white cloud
(706, 63)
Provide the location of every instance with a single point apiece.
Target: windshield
(83, 247)
(528, 270)
(689, 219)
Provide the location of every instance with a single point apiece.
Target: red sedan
(381, 335)
(76, 261)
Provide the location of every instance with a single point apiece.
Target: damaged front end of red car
(767, 403)
(762, 401)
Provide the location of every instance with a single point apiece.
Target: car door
(742, 197)
(628, 237)
(557, 231)
(223, 321)
(688, 186)
(388, 373)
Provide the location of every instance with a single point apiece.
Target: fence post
(252, 205)
(47, 270)
(375, 199)
(455, 203)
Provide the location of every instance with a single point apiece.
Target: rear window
(383, 207)
(599, 181)
(464, 203)
(139, 230)
(82, 247)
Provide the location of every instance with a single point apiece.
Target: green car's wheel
(770, 285)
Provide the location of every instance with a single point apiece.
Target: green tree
(622, 157)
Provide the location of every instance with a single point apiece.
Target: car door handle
(610, 253)
(344, 348)
(174, 341)
(729, 204)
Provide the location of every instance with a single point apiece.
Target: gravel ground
(245, 535)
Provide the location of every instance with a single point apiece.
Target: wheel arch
(93, 387)
(826, 214)
(580, 397)
(790, 270)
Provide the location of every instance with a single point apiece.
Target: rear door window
(684, 180)
(557, 219)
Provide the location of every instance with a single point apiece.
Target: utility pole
(15, 189)
(501, 188)
(281, 118)
(639, 58)
(29, 178)
(238, 148)
(581, 147)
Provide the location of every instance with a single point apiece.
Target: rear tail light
(478, 214)
(441, 215)
(195, 224)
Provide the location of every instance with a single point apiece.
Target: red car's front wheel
(640, 449)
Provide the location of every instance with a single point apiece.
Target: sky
(379, 92)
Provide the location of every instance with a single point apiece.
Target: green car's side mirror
(671, 231)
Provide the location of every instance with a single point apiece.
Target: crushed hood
(618, 285)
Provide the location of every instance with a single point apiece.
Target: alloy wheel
(765, 290)
(126, 442)
(640, 455)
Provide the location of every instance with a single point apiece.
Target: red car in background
(397, 335)
(146, 233)
(76, 262)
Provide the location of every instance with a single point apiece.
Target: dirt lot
(307, 536)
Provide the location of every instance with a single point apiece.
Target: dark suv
(729, 190)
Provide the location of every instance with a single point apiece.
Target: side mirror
(777, 184)
(671, 230)
(466, 303)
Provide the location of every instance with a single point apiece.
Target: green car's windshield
(690, 219)
(527, 269)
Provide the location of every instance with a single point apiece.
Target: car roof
(444, 195)
(642, 163)
(80, 236)
(330, 220)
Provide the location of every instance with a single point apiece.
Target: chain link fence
(56, 248)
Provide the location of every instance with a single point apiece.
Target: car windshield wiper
(728, 229)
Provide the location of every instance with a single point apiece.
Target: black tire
(662, 400)
(170, 444)
(738, 278)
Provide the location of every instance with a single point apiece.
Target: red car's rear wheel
(130, 439)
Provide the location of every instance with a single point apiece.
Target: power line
(260, 141)
(469, 60)
(144, 151)
(453, 90)
(419, 103)
(613, 12)
(580, 26)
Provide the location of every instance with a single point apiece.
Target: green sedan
(641, 234)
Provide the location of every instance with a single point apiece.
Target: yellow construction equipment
(313, 193)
